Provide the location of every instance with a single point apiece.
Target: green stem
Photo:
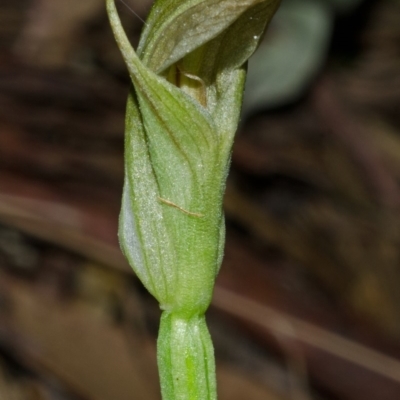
(185, 359)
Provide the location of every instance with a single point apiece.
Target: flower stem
(185, 358)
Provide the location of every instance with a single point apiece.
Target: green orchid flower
(188, 76)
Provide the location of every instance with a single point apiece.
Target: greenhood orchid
(187, 75)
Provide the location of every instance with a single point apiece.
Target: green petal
(214, 50)
(181, 133)
(142, 233)
(175, 28)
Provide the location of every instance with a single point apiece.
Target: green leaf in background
(293, 52)
(290, 56)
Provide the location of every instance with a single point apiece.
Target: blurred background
(307, 304)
